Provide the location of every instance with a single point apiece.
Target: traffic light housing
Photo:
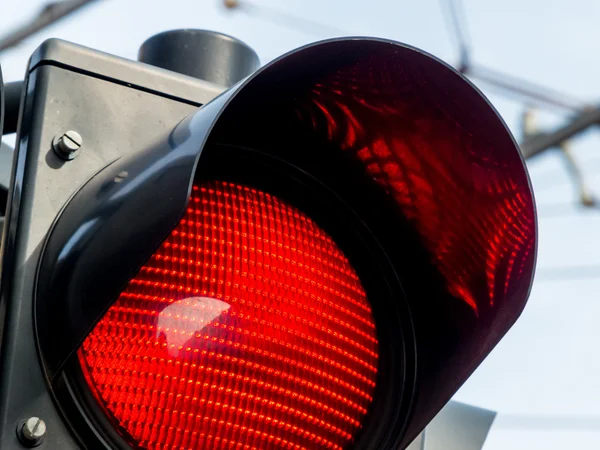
(381, 151)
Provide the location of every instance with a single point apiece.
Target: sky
(543, 378)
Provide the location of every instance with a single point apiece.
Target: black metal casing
(119, 107)
(143, 196)
(206, 55)
(79, 230)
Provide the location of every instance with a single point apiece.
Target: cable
(50, 14)
(456, 21)
(566, 209)
(554, 422)
(285, 19)
(549, 180)
(566, 273)
(511, 85)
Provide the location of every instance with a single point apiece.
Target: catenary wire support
(541, 142)
(531, 134)
(585, 193)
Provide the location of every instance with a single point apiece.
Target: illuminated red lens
(247, 329)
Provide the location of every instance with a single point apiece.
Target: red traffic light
(425, 161)
(318, 257)
(247, 328)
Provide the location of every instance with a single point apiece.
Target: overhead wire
(48, 15)
(457, 26)
(507, 85)
(568, 273)
(285, 19)
(565, 210)
(549, 179)
(455, 18)
(455, 21)
(516, 87)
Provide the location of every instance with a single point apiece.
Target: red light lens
(247, 329)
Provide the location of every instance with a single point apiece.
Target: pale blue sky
(543, 378)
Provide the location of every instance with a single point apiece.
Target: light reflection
(183, 319)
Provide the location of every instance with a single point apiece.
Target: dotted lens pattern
(247, 329)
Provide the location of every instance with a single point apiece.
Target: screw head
(32, 431)
(67, 145)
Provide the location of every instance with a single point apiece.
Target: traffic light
(314, 254)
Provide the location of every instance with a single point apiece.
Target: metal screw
(32, 431)
(67, 145)
(121, 176)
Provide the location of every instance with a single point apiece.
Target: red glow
(450, 166)
(247, 329)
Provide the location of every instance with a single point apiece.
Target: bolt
(67, 145)
(32, 431)
(121, 176)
